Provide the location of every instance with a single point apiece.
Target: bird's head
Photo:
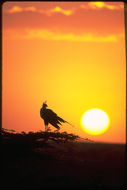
(44, 104)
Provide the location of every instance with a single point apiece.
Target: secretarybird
(51, 117)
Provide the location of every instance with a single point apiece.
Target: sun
(95, 121)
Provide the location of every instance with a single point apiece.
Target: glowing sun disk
(95, 121)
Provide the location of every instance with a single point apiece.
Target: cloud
(42, 34)
(19, 9)
(32, 9)
(100, 5)
(60, 10)
(48, 12)
(66, 12)
(15, 9)
(64, 18)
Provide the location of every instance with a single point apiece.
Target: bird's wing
(50, 114)
(53, 118)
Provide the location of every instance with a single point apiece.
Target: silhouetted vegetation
(37, 138)
(54, 159)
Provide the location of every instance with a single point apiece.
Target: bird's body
(50, 117)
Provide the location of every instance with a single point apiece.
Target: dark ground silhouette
(47, 160)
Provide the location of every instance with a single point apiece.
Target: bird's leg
(57, 130)
(46, 127)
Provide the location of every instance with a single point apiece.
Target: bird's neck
(44, 108)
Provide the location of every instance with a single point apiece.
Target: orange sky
(70, 54)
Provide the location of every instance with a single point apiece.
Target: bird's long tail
(62, 120)
(69, 123)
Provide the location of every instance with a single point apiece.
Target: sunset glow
(71, 54)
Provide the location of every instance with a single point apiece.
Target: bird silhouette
(51, 117)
